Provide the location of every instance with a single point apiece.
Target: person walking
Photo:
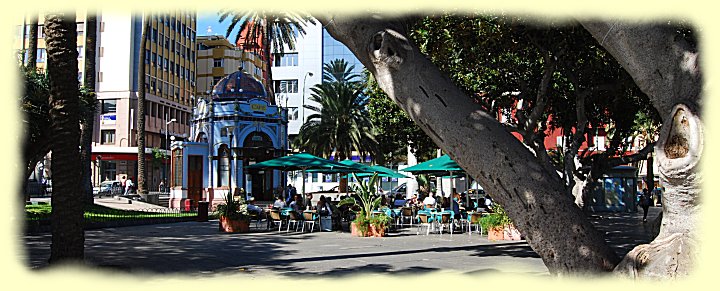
(128, 186)
(645, 201)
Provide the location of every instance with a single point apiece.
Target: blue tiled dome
(238, 85)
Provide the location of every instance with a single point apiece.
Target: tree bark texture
(87, 122)
(666, 68)
(141, 186)
(67, 207)
(534, 198)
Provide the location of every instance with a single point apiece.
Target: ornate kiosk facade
(237, 126)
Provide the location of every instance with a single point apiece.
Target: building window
(154, 35)
(172, 67)
(167, 42)
(286, 86)
(223, 166)
(147, 56)
(293, 113)
(81, 51)
(107, 136)
(217, 63)
(41, 55)
(177, 155)
(109, 105)
(41, 31)
(286, 60)
(165, 64)
(108, 170)
(80, 29)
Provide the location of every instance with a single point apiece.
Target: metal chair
(310, 218)
(406, 213)
(475, 220)
(293, 217)
(276, 218)
(424, 222)
(445, 220)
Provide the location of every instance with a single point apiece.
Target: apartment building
(170, 67)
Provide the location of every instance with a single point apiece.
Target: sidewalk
(199, 249)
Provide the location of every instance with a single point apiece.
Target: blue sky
(208, 18)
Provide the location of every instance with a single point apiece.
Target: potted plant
(378, 223)
(364, 191)
(499, 226)
(233, 214)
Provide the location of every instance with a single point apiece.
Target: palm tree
(86, 122)
(263, 30)
(62, 66)
(341, 124)
(142, 190)
(338, 71)
(32, 42)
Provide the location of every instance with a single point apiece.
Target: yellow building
(217, 58)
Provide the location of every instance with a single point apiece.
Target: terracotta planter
(508, 232)
(377, 232)
(354, 231)
(231, 225)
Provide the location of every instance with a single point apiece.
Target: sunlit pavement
(198, 248)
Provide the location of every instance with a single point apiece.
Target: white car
(108, 188)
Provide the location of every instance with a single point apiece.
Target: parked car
(108, 188)
(402, 189)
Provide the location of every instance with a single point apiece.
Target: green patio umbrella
(383, 172)
(441, 166)
(301, 161)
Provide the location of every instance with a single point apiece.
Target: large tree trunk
(666, 68)
(67, 212)
(87, 122)
(32, 42)
(532, 193)
(141, 187)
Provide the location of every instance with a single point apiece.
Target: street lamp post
(167, 145)
(303, 95)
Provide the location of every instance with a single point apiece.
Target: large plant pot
(231, 225)
(377, 231)
(509, 232)
(354, 231)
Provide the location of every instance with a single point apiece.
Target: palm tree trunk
(268, 62)
(32, 42)
(68, 237)
(142, 189)
(87, 122)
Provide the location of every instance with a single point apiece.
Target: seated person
(279, 203)
(254, 209)
(412, 201)
(429, 201)
(323, 207)
(399, 203)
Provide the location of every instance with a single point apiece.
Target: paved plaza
(199, 249)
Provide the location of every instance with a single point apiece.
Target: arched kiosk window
(223, 170)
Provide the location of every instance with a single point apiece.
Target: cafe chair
(475, 220)
(424, 222)
(445, 221)
(276, 218)
(406, 213)
(310, 218)
(293, 218)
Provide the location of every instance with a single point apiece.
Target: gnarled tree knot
(389, 48)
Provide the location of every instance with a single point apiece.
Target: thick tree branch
(553, 226)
